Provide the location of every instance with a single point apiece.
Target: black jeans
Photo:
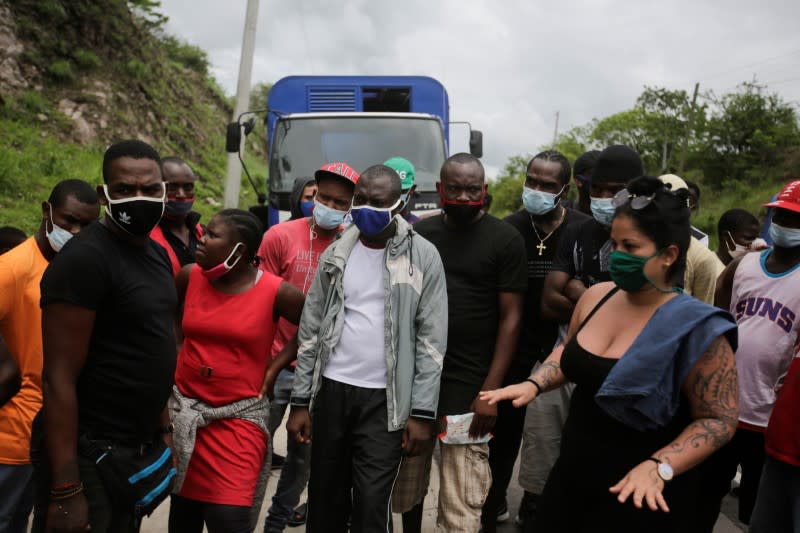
(188, 516)
(352, 453)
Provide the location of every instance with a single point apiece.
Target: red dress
(226, 350)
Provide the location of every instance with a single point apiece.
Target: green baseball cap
(403, 167)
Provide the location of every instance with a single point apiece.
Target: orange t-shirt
(21, 271)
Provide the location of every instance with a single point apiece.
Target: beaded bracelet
(66, 491)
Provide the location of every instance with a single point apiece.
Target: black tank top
(598, 450)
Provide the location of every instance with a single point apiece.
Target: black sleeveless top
(597, 451)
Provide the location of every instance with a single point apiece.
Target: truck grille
(322, 99)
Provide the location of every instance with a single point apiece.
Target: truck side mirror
(233, 137)
(476, 143)
(249, 125)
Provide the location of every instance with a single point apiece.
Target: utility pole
(555, 132)
(233, 177)
(688, 129)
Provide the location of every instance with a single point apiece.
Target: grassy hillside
(85, 73)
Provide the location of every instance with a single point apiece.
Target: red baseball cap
(789, 198)
(338, 169)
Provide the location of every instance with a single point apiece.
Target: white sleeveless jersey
(767, 309)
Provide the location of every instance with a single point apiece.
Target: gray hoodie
(297, 193)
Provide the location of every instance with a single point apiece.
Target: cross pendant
(541, 247)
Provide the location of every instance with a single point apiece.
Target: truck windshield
(302, 145)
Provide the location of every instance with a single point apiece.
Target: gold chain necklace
(541, 246)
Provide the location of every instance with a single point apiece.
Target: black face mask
(462, 213)
(137, 215)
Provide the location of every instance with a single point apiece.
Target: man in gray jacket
(372, 341)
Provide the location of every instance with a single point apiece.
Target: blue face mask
(537, 202)
(603, 210)
(784, 237)
(306, 207)
(178, 208)
(327, 218)
(371, 221)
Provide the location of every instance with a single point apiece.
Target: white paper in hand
(457, 430)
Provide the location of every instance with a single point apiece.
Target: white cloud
(510, 65)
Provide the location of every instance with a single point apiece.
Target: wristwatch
(167, 430)
(664, 470)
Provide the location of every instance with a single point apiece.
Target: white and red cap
(338, 169)
(789, 198)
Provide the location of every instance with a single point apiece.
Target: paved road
(158, 522)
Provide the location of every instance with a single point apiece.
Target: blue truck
(361, 120)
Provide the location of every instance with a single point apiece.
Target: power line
(750, 65)
(778, 82)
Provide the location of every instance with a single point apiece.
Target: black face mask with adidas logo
(137, 215)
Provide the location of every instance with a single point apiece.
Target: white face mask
(59, 236)
(738, 250)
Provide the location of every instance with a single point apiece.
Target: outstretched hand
(644, 483)
(520, 394)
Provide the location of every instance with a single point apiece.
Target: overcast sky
(509, 65)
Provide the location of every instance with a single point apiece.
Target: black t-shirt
(583, 252)
(129, 370)
(480, 261)
(184, 253)
(538, 335)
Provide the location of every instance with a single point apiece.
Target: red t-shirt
(783, 432)
(224, 357)
(288, 251)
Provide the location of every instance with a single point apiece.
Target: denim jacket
(643, 389)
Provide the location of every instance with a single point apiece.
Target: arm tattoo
(713, 386)
(713, 392)
(549, 375)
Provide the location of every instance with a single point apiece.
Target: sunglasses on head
(637, 202)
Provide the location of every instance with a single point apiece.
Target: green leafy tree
(150, 15)
(750, 134)
(506, 190)
(572, 143)
(629, 128)
(187, 55)
(666, 118)
(259, 95)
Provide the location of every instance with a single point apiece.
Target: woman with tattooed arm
(656, 390)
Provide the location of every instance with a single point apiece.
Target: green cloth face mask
(627, 271)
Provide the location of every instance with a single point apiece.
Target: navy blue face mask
(371, 221)
(306, 208)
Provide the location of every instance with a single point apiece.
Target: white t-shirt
(767, 310)
(359, 358)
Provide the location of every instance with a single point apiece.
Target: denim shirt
(643, 390)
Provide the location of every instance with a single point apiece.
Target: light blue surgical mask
(537, 202)
(59, 236)
(784, 237)
(325, 217)
(603, 210)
